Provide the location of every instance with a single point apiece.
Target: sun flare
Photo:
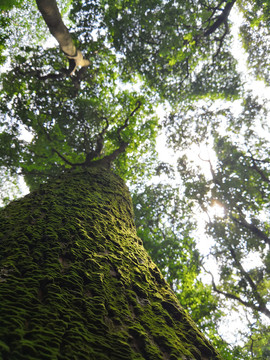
(217, 209)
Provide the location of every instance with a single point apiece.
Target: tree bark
(76, 282)
(50, 12)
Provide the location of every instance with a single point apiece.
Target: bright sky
(233, 322)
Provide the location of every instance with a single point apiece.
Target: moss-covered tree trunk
(76, 282)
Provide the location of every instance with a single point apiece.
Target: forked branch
(108, 159)
(91, 155)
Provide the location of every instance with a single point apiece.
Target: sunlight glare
(216, 209)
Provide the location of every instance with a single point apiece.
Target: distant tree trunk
(76, 282)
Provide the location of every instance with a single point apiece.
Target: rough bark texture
(76, 282)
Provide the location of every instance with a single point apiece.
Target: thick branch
(214, 10)
(107, 159)
(110, 158)
(221, 19)
(37, 74)
(52, 17)
(221, 40)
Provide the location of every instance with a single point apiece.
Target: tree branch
(257, 169)
(214, 10)
(108, 159)
(221, 19)
(65, 159)
(254, 229)
(220, 40)
(241, 220)
(56, 151)
(37, 73)
(121, 128)
(228, 295)
(99, 145)
(51, 15)
(262, 306)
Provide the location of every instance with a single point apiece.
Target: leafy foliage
(66, 120)
(238, 183)
(166, 42)
(144, 53)
(255, 36)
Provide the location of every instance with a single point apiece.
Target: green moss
(76, 282)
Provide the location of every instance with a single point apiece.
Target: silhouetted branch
(214, 10)
(254, 229)
(65, 159)
(261, 307)
(108, 159)
(62, 157)
(221, 19)
(38, 74)
(121, 128)
(99, 145)
(257, 169)
(221, 40)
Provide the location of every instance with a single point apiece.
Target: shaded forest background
(203, 219)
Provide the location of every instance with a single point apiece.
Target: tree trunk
(76, 282)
